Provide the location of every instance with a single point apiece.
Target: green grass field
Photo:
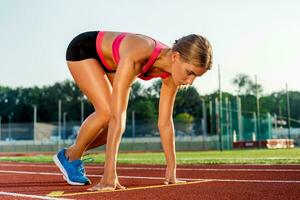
(263, 156)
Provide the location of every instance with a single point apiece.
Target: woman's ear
(175, 56)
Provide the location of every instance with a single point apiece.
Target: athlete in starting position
(104, 65)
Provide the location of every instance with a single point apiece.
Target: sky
(258, 37)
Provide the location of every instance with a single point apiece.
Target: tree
(252, 87)
(136, 91)
(183, 122)
(188, 101)
(241, 81)
(18, 102)
(246, 86)
(154, 90)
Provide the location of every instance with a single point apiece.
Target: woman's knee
(103, 115)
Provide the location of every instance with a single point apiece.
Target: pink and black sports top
(115, 50)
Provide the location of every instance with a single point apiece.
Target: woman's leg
(99, 140)
(102, 136)
(94, 83)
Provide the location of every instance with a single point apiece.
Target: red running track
(44, 181)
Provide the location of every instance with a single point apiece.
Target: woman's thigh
(93, 82)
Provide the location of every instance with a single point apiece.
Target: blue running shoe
(73, 171)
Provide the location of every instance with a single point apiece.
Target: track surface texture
(44, 181)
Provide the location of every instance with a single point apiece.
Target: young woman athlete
(104, 65)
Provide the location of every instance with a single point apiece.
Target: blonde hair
(194, 49)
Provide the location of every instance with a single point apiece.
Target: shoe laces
(84, 160)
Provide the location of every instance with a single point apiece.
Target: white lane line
(30, 196)
(161, 168)
(158, 178)
(28, 172)
(253, 181)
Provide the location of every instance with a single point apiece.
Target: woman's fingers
(174, 181)
(120, 187)
(100, 187)
(105, 187)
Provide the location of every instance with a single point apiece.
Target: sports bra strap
(116, 45)
(99, 49)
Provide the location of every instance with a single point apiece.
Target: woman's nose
(191, 80)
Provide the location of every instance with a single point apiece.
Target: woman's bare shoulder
(139, 47)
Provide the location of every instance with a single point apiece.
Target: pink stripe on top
(99, 51)
(115, 50)
(157, 49)
(116, 46)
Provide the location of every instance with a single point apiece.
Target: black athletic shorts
(83, 47)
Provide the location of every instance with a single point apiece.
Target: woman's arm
(165, 121)
(124, 77)
(133, 53)
(128, 68)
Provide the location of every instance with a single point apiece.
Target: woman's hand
(103, 185)
(170, 177)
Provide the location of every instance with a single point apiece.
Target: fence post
(218, 123)
(64, 127)
(258, 114)
(227, 122)
(239, 118)
(34, 123)
(133, 126)
(59, 124)
(0, 128)
(269, 126)
(204, 123)
(230, 124)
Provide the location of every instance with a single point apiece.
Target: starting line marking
(55, 194)
(30, 196)
(124, 190)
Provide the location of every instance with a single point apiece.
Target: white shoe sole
(65, 175)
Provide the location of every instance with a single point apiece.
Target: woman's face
(184, 73)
